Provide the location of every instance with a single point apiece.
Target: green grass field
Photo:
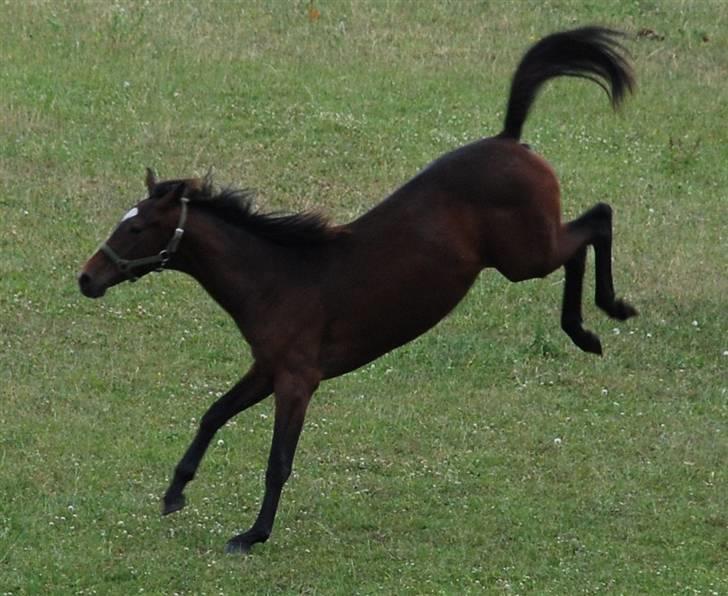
(489, 456)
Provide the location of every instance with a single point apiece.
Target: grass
(489, 456)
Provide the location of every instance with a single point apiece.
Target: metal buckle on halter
(164, 257)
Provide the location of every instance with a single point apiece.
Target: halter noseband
(126, 266)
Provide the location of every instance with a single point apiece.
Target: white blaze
(133, 212)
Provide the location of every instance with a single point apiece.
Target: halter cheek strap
(126, 266)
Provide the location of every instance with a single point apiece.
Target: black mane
(236, 207)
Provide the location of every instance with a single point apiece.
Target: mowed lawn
(489, 456)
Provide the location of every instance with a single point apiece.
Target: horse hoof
(237, 547)
(620, 310)
(173, 504)
(588, 342)
(623, 310)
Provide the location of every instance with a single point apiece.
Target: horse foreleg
(250, 390)
(292, 398)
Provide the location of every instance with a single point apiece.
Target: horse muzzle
(88, 287)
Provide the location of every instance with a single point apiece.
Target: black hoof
(621, 310)
(237, 547)
(242, 543)
(170, 505)
(624, 310)
(587, 342)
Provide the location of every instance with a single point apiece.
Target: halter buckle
(163, 259)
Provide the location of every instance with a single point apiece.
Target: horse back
(405, 264)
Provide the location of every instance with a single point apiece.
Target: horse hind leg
(604, 287)
(595, 228)
(571, 317)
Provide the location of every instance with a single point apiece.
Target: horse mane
(236, 207)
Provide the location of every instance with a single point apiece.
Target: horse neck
(239, 269)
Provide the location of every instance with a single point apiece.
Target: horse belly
(381, 315)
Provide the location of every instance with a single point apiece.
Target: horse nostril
(84, 284)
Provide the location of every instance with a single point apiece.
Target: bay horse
(315, 300)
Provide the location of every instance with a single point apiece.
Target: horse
(315, 300)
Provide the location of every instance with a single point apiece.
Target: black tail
(590, 52)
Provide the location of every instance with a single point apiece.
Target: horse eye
(135, 229)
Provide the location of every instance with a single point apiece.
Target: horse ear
(151, 180)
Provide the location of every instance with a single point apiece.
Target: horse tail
(589, 52)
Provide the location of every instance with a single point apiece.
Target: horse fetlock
(571, 323)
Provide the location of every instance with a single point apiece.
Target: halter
(160, 260)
